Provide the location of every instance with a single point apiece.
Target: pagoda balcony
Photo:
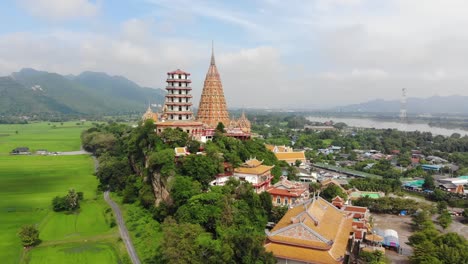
(179, 95)
(179, 80)
(179, 103)
(175, 112)
(178, 88)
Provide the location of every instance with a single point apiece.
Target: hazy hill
(436, 104)
(30, 91)
(15, 99)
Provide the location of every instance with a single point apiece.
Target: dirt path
(123, 229)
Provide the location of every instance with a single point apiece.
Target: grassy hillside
(31, 92)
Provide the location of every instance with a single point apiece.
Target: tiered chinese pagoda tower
(212, 108)
(177, 110)
(178, 98)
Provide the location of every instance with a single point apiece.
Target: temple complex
(212, 110)
(177, 109)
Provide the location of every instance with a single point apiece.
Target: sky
(311, 54)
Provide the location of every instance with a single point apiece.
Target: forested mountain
(436, 104)
(37, 92)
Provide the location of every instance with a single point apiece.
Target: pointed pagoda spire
(149, 107)
(212, 54)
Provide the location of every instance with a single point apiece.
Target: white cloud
(60, 9)
(292, 53)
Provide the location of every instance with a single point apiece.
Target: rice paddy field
(52, 136)
(27, 186)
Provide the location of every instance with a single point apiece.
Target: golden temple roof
(314, 232)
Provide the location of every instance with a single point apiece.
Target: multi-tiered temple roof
(212, 108)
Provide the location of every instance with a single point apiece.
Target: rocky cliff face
(158, 182)
(160, 190)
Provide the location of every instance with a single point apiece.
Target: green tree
(29, 235)
(441, 206)
(445, 219)
(277, 212)
(220, 127)
(183, 189)
(428, 183)
(73, 202)
(201, 168)
(162, 162)
(298, 163)
(376, 257)
(174, 137)
(331, 191)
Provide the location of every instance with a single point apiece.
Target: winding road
(123, 229)
(120, 222)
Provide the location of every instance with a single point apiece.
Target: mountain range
(30, 92)
(454, 104)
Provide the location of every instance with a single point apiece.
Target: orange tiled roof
(337, 198)
(358, 209)
(290, 156)
(325, 225)
(254, 171)
(283, 192)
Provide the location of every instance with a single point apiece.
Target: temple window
(286, 202)
(180, 76)
(278, 200)
(180, 117)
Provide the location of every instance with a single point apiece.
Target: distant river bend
(378, 124)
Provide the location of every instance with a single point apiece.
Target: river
(379, 124)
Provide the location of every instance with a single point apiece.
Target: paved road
(123, 229)
(71, 153)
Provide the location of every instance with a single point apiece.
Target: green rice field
(74, 253)
(52, 136)
(27, 186)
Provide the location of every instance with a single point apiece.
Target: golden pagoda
(150, 115)
(212, 108)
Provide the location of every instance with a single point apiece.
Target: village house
(21, 151)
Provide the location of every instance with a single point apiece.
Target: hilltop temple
(212, 110)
